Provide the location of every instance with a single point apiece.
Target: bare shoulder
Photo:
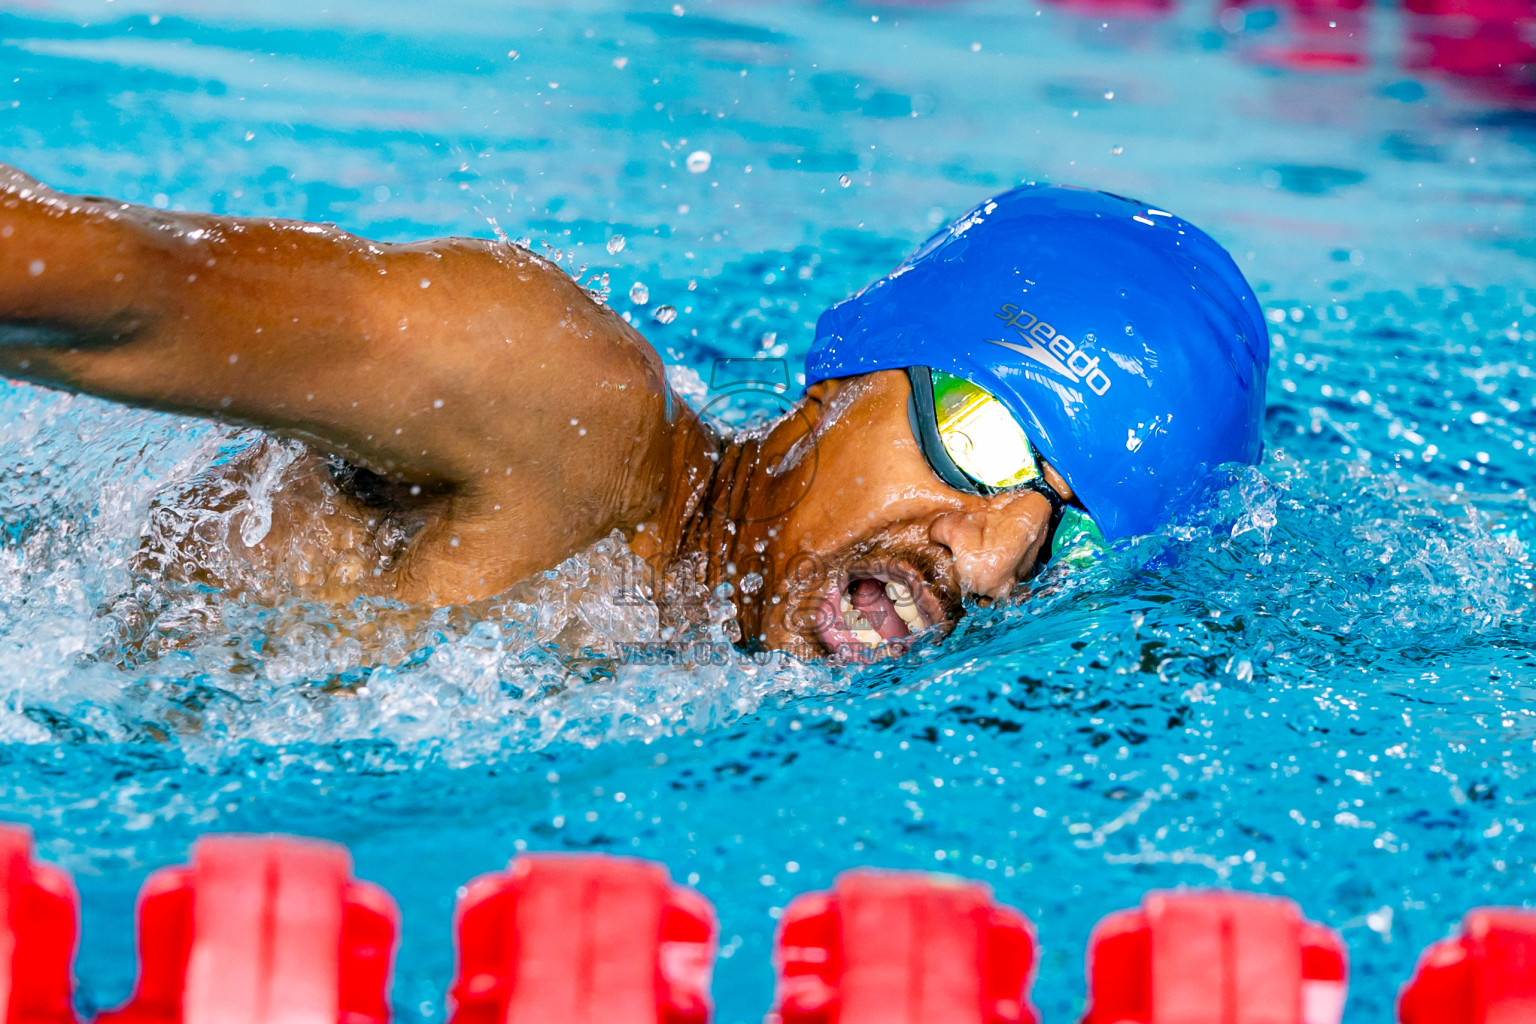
(470, 371)
(518, 345)
(556, 410)
(501, 286)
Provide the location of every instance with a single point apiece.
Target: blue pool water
(1321, 686)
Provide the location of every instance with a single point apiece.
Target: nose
(996, 542)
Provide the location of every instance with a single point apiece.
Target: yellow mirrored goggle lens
(981, 435)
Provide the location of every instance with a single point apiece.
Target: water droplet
(615, 244)
(1129, 330)
(639, 294)
(1109, 94)
(1117, 150)
(698, 161)
(664, 314)
(256, 524)
(844, 180)
(975, 47)
(513, 54)
(620, 62)
(426, 283)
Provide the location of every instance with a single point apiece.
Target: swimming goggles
(976, 445)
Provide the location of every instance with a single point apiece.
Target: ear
(818, 397)
(805, 418)
(1057, 481)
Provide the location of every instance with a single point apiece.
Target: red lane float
(1214, 958)
(38, 929)
(1485, 975)
(262, 930)
(582, 939)
(902, 948)
(274, 930)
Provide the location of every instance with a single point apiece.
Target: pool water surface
(1320, 684)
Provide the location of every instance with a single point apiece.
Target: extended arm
(441, 362)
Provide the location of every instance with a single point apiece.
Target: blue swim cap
(1123, 338)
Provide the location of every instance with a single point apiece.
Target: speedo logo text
(1054, 351)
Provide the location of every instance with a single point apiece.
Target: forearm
(183, 312)
(446, 362)
(71, 276)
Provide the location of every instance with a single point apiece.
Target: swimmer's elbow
(63, 336)
(24, 335)
(57, 353)
(69, 267)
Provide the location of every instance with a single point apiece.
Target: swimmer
(1056, 370)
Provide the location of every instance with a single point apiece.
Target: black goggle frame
(924, 418)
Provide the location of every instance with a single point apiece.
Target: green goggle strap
(1076, 540)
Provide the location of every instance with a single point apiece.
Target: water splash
(102, 651)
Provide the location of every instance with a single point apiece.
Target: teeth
(911, 616)
(900, 597)
(906, 607)
(869, 637)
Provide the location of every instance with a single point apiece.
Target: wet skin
(474, 402)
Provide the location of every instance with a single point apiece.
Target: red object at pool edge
(1214, 958)
(1485, 975)
(38, 928)
(903, 948)
(261, 930)
(582, 939)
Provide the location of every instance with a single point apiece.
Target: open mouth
(873, 612)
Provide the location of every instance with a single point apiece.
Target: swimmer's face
(877, 548)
